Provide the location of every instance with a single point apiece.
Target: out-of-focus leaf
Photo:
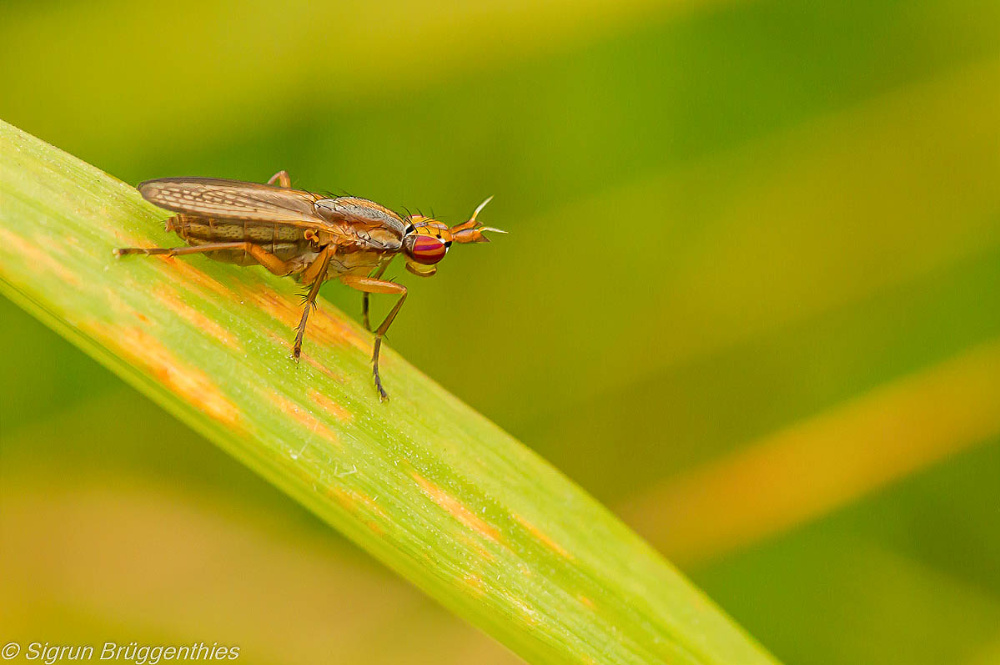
(425, 484)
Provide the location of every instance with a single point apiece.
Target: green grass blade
(429, 487)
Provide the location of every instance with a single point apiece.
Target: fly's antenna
(476, 212)
(479, 209)
(472, 230)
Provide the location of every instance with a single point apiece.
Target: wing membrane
(233, 199)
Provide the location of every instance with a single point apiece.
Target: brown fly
(309, 236)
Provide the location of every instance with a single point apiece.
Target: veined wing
(233, 199)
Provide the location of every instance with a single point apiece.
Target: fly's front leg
(372, 285)
(364, 297)
(262, 256)
(282, 178)
(315, 273)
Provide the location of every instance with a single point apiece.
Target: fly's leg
(261, 255)
(372, 285)
(282, 178)
(364, 297)
(315, 273)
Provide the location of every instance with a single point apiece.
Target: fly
(309, 236)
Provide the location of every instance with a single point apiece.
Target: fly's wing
(233, 199)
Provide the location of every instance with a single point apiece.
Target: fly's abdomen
(284, 241)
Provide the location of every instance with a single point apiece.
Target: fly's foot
(122, 251)
(382, 394)
(156, 251)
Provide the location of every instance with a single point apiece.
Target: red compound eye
(428, 250)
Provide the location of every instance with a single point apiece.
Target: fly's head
(426, 241)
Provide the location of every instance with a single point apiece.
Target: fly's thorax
(354, 263)
(377, 216)
(384, 240)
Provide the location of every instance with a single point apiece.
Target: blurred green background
(750, 299)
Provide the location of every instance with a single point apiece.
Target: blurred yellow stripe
(823, 463)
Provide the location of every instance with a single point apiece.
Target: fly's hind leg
(262, 256)
(282, 178)
(372, 285)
